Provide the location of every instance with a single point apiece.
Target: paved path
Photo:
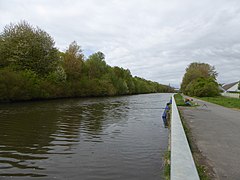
(216, 130)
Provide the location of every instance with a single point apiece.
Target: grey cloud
(155, 39)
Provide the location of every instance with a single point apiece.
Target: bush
(15, 86)
(202, 87)
(58, 76)
(26, 85)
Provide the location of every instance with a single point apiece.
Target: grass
(167, 167)
(180, 101)
(167, 156)
(223, 101)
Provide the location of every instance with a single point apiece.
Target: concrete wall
(182, 163)
(232, 95)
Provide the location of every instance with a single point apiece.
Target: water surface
(90, 139)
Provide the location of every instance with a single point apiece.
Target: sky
(154, 39)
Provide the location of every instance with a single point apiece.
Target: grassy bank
(180, 101)
(204, 170)
(223, 101)
(167, 167)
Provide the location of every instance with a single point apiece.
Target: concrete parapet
(182, 163)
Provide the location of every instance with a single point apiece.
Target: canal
(89, 139)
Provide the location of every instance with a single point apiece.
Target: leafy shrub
(202, 87)
(13, 86)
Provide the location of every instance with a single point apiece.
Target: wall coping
(182, 163)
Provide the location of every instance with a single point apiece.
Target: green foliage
(11, 86)
(202, 87)
(31, 68)
(73, 61)
(239, 85)
(26, 85)
(121, 86)
(25, 47)
(96, 65)
(58, 76)
(122, 80)
(130, 85)
(200, 80)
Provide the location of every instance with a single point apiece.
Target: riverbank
(215, 130)
(27, 86)
(72, 97)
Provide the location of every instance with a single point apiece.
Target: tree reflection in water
(33, 132)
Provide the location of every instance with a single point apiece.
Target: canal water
(89, 139)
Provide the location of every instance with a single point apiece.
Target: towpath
(216, 130)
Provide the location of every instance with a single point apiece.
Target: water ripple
(97, 138)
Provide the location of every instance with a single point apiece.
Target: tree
(96, 65)
(202, 87)
(197, 70)
(32, 68)
(121, 72)
(25, 47)
(73, 61)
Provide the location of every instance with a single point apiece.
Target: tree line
(31, 67)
